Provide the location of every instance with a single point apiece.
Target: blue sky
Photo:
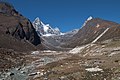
(68, 14)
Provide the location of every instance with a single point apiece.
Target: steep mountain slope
(44, 29)
(16, 31)
(93, 30)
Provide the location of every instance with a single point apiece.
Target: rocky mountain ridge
(93, 29)
(16, 30)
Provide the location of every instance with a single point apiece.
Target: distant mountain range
(93, 30)
(47, 30)
(17, 30)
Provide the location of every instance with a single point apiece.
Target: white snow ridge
(100, 35)
(90, 18)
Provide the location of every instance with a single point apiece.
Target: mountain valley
(38, 51)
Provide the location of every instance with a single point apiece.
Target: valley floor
(100, 61)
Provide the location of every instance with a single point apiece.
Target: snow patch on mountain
(100, 35)
(89, 18)
(71, 32)
(98, 26)
(77, 49)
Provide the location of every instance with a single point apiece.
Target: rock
(45, 78)
(42, 70)
(62, 77)
(116, 60)
(2, 79)
(32, 74)
(22, 72)
(93, 69)
(61, 65)
(18, 68)
(38, 72)
(11, 74)
(41, 73)
(8, 73)
(35, 52)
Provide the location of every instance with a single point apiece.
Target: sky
(68, 14)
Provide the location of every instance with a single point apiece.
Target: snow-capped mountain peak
(37, 19)
(88, 19)
(44, 29)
